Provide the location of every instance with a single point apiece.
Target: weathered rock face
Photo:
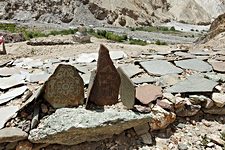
(73, 126)
(65, 87)
(111, 12)
(105, 88)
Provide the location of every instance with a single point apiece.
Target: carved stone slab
(65, 88)
(127, 90)
(105, 88)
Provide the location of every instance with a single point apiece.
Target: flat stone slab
(7, 113)
(194, 64)
(160, 67)
(131, 70)
(12, 94)
(8, 82)
(144, 79)
(219, 99)
(8, 71)
(148, 93)
(193, 83)
(73, 126)
(12, 134)
(115, 55)
(87, 58)
(37, 77)
(127, 89)
(218, 66)
(65, 88)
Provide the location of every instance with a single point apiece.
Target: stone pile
(36, 95)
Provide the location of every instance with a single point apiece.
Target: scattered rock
(194, 64)
(65, 87)
(8, 82)
(216, 139)
(182, 146)
(165, 104)
(7, 113)
(131, 70)
(105, 89)
(12, 134)
(24, 145)
(219, 99)
(218, 66)
(193, 83)
(160, 67)
(12, 94)
(148, 93)
(143, 80)
(5, 71)
(215, 111)
(188, 111)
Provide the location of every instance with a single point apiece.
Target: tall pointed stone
(65, 88)
(106, 83)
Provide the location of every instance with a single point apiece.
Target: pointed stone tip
(103, 48)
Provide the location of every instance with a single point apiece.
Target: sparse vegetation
(161, 29)
(137, 42)
(158, 42)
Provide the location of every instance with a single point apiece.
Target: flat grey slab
(12, 94)
(160, 67)
(144, 79)
(8, 82)
(73, 126)
(131, 70)
(184, 55)
(194, 83)
(115, 55)
(8, 71)
(194, 64)
(37, 77)
(7, 113)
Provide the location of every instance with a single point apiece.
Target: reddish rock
(24, 145)
(65, 88)
(218, 66)
(148, 93)
(106, 83)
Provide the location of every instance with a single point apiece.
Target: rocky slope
(116, 12)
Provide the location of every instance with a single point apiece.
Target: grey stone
(86, 78)
(8, 82)
(131, 70)
(8, 71)
(144, 79)
(115, 55)
(218, 66)
(215, 139)
(193, 83)
(184, 55)
(142, 129)
(147, 138)
(12, 94)
(198, 99)
(188, 111)
(87, 58)
(208, 104)
(182, 146)
(215, 110)
(73, 126)
(37, 77)
(168, 80)
(201, 53)
(12, 134)
(219, 99)
(127, 90)
(7, 113)
(194, 64)
(160, 67)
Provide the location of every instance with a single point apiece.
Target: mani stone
(160, 67)
(105, 87)
(194, 64)
(194, 83)
(65, 88)
(127, 90)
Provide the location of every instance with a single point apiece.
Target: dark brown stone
(127, 90)
(65, 88)
(147, 94)
(105, 88)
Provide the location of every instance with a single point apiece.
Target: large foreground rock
(73, 126)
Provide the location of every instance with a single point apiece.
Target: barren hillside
(116, 12)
